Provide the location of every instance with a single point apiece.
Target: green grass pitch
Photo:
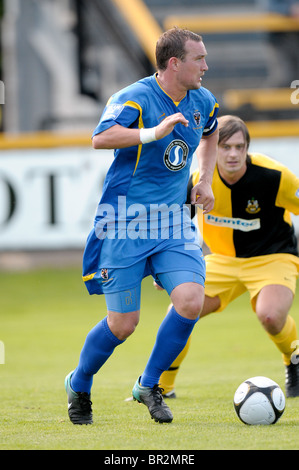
(45, 316)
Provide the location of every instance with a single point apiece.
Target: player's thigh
(211, 304)
(123, 311)
(182, 275)
(176, 265)
(270, 270)
(273, 304)
(187, 297)
(122, 297)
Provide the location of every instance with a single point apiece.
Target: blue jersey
(141, 171)
(146, 185)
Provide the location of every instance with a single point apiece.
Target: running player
(252, 242)
(155, 125)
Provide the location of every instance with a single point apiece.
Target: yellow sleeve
(288, 193)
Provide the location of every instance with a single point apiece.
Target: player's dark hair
(229, 125)
(172, 44)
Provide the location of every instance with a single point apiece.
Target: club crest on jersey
(175, 155)
(252, 206)
(196, 116)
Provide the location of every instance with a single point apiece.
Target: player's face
(194, 65)
(231, 158)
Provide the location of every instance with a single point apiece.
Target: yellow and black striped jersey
(253, 216)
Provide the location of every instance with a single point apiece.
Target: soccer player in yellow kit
(252, 242)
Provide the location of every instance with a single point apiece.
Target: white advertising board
(48, 197)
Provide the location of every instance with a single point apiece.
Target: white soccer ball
(259, 400)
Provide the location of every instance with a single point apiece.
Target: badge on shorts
(104, 274)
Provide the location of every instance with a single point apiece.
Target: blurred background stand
(60, 61)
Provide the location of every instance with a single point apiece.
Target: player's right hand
(167, 125)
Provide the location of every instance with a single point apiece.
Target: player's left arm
(288, 193)
(206, 154)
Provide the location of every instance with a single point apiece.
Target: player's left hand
(202, 194)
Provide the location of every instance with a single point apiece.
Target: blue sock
(98, 347)
(171, 339)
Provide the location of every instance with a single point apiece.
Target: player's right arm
(118, 136)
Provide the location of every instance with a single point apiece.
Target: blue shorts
(129, 300)
(122, 286)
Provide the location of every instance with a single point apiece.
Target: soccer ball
(259, 400)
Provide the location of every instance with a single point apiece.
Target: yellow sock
(168, 377)
(287, 340)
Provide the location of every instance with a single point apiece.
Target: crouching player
(252, 242)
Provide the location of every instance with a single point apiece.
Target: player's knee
(271, 321)
(122, 332)
(190, 307)
(126, 331)
(122, 326)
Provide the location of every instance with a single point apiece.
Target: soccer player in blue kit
(141, 226)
